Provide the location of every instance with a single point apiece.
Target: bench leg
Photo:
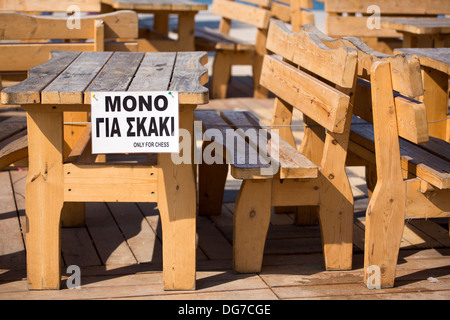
(250, 225)
(221, 74)
(312, 147)
(336, 203)
(177, 206)
(211, 187)
(44, 200)
(385, 217)
(336, 220)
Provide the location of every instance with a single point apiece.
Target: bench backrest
(313, 78)
(37, 30)
(295, 12)
(349, 17)
(252, 12)
(49, 5)
(406, 82)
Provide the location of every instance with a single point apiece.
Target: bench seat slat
(241, 167)
(415, 160)
(292, 163)
(214, 40)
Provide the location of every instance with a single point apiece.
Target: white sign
(135, 122)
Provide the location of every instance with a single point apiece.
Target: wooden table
(63, 85)
(413, 29)
(161, 9)
(435, 64)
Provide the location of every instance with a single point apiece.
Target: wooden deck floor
(120, 250)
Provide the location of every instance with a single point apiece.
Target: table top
(156, 5)
(68, 77)
(418, 25)
(436, 58)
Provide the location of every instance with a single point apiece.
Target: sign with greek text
(135, 122)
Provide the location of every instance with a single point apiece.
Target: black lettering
(140, 127)
(107, 127)
(172, 122)
(110, 106)
(130, 132)
(126, 104)
(165, 103)
(163, 126)
(147, 103)
(97, 126)
(153, 129)
(115, 128)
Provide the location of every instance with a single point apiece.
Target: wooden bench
(233, 51)
(351, 18)
(13, 138)
(322, 91)
(37, 6)
(295, 12)
(408, 171)
(45, 34)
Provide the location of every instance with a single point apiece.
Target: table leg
(177, 206)
(161, 23)
(186, 31)
(409, 40)
(435, 98)
(73, 213)
(44, 199)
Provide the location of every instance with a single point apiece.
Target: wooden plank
(437, 147)
(418, 162)
(108, 239)
(116, 75)
(411, 114)
(11, 126)
(337, 26)
(77, 248)
(18, 179)
(12, 249)
(383, 236)
(51, 5)
(126, 183)
(418, 26)
(122, 24)
(211, 240)
(405, 76)
(292, 163)
(406, 7)
(425, 201)
(189, 76)
(239, 157)
(257, 17)
(324, 104)
(154, 72)
(13, 149)
(39, 77)
(69, 87)
(156, 5)
(304, 49)
(433, 229)
(140, 236)
(436, 58)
